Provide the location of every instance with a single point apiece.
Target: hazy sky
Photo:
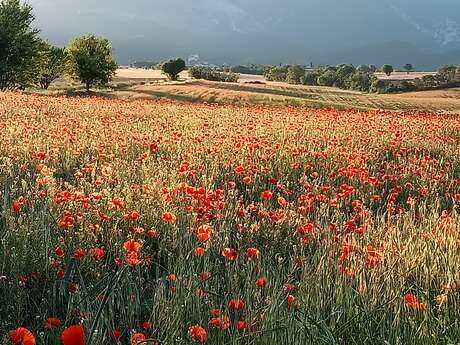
(239, 30)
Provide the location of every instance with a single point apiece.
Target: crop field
(153, 222)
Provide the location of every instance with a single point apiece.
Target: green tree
(19, 46)
(295, 74)
(448, 73)
(387, 69)
(408, 67)
(276, 73)
(53, 63)
(364, 69)
(173, 67)
(328, 78)
(311, 78)
(361, 81)
(91, 61)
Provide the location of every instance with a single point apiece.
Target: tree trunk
(88, 85)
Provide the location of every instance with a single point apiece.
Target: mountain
(425, 33)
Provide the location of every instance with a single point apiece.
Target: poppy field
(153, 222)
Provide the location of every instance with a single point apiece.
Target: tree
(19, 46)
(311, 78)
(295, 74)
(52, 64)
(361, 81)
(328, 78)
(408, 67)
(276, 73)
(448, 73)
(91, 61)
(364, 69)
(373, 68)
(173, 67)
(387, 69)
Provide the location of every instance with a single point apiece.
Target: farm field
(254, 90)
(155, 222)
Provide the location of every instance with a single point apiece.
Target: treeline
(213, 74)
(343, 76)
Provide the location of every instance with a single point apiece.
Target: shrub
(277, 73)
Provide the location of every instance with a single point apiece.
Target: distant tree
(276, 73)
(373, 68)
(310, 78)
(378, 86)
(90, 60)
(343, 73)
(408, 67)
(53, 63)
(360, 81)
(328, 78)
(19, 46)
(387, 69)
(295, 74)
(173, 67)
(448, 73)
(364, 69)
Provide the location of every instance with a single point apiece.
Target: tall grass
(363, 212)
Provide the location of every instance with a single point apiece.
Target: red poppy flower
(198, 333)
(132, 246)
(199, 251)
(137, 338)
(22, 336)
(52, 322)
(230, 254)
(73, 335)
(236, 304)
(267, 195)
(169, 217)
(252, 253)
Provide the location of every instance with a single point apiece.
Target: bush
(173, 67)
(208, 73)
(53, 63)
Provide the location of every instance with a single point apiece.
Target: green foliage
(276, 73)
(53, 63)
(19, 46)
(295, 73)
(212, 74)
(378, 86)
(448, 73)
(364, 69)
(360, 81)
(387, 69)
(173, 67)
(91, 60)
(311, 78)
(328, 78)
(408, 67)
(251, 69)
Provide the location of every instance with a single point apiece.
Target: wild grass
(362, 215)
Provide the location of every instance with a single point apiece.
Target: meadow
(153, 222)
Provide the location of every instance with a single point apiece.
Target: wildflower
(230, 254)
(97, 253)
(132, 246)
(252, 253)
(168, 217)
(236, 304)
(137, 338)
(22, 336)
(261, 282)
(52, 322)
(73, 335)
(199, 251)
(198, 333)
(267, 195)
